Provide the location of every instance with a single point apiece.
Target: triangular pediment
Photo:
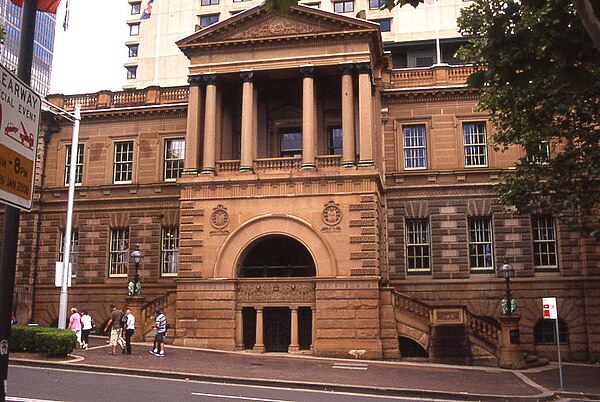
(256, 24)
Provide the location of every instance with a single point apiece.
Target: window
(539, 155)
(413, 141)
(78, 164)
(210, 2)
(423, 61)
(544, 332)
(74, 249)
(119, 252)
(346, 6)
(136, 8)
(335, 141)
(209, 19)
(174, 154)
(291, 143)
(475, 142)
(134, 29)
(133, 50)
(385, 25)
(417, 246)
(544, 243)
(480, 244)
(169, 251)
(131, 72)
(376, 4)
(123, 162)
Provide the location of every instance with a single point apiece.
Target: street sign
(549, 308)
(20, 109)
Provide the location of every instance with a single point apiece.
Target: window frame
(548, 243)
(136, 8)
(200, 17)
(409, 242)
(480, 146)
(380, 4)
(332, 147)
(120, 256)
(117, 163)
(131, 72)
(381, 27)
(344, 4)
(169, 246)
(130, 49)
(167, 161)
(79, 164)
(405, 148)
(209, 2)
(290, 152)
(134, 29)
(484, 236)
(74, 255)
(544, 332)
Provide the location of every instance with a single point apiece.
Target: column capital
(346, 68)
(194, 80)
(247, 76)
(210, 78)
(307, 71)
(363, 68)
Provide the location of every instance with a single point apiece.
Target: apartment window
(385, 25)
(480, 244)
(291, 143)
(335, 141)
(544, 243)
(540, 154)
(417, 246)
(343, 6)
(169, 251)
(135, 8)
(123, 162)
(119, 252)
(544, 332)
(134, 29)
(78, 164)
(209, 19)
(376, 4)
(415, 152)
(174, 154)
(133, 50)
(423, 61)
(131, 72)
(475, 143)
(210, 2)
(74, 249)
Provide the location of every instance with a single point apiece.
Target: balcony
(442, 75)
(278, 165)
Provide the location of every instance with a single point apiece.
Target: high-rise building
(43, 48)
(154, 58)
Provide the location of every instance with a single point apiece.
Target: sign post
(550, 312)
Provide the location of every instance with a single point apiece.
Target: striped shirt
(161, 323)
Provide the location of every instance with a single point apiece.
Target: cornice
(433, 94)
(134, 113)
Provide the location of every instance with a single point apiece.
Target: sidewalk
(385, 378)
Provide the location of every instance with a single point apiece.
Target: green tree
(541, 86)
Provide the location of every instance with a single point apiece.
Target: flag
(45, 6)
(66, 21)
(147, 11)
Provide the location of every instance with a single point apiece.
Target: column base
(366, 164)
(259, 348)
(294, 349)
(189, 172)
(348, 165)
(208, 171)
(308, 166)
(246, 169)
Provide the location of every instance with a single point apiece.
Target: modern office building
(43, 48)
(154, 59)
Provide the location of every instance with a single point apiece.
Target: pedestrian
(129, 329)
(86, 323)
(75, 324)
(114, 323)
(160, 326)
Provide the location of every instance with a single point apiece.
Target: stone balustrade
(430, 76)
(483, 329)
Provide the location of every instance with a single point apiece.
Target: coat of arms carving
(219, 219)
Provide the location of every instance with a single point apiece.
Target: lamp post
(506, 270)
(134, 288)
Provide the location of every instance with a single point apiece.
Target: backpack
(123, 320)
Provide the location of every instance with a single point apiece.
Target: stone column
(192, 134)
(248, 120)
(348, 141)
(210, 124)
(135, 303)
(259, 345)
(308, 117)
(365, 114)
(294, 346)
(239, 329)
(510, 355)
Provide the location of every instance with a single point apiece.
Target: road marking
(17, 399)
(245, 398)
(350, 366)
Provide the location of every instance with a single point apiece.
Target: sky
(89, 56)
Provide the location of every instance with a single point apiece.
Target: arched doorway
(285, 324)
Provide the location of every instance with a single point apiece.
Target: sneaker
(162, 353)
(153, 353)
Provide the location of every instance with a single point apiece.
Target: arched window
(277, 256)
(544, 332)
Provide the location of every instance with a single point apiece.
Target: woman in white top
(86, 322)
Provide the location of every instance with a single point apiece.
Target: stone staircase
(167, 304)
(533, 360)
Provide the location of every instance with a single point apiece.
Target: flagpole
(157, 44)
(438, 50)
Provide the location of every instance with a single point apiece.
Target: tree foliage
(541, 87)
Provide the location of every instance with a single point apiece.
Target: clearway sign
(549, 310)
(19, 123)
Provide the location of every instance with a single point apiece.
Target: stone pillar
(308, 117)
(210, 124)
(135, 303)
(248, 120)
(294, 346)
(239, 329)
(259, 345)
(511, 355)
(192, 134)
(365, 114)
(348, 141)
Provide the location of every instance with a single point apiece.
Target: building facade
(301, 195)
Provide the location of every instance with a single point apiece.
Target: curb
(402, 392)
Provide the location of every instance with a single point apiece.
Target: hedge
(52, 342)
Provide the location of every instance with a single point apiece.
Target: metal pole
(508, 304)
(438, 51)
(66, 272)
(560, 373)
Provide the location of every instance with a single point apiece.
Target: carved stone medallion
(331, 216)
(219, 219)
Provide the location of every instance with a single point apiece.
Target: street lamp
(134, 288)
(506, 270)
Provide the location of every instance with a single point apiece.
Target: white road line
(350, 366)
(17, 399)
(245, 398)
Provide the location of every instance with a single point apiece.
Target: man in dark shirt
(116, 336)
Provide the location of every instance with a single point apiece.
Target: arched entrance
(276, 290)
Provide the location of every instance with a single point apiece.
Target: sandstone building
(302, 195)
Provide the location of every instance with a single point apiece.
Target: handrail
(484, 330)
(415, 308)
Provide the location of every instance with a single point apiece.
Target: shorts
(160, 337)
(115, 335)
